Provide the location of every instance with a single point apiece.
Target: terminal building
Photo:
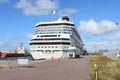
(56, 39)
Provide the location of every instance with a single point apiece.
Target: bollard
(96, 71)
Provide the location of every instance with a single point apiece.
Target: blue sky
(95, 20)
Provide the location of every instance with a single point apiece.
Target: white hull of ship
(38, 55)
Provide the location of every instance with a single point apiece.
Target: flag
(54, 12)
(3, 55)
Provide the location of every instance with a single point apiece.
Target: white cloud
(36, 7)
(29, 35)
(102, 45)
(15, 42)
(97, 28)
(43, 7)
(10, 45)
(3, 1)
(111, 42)
(117, 36)
(114, 37)
(67, 12)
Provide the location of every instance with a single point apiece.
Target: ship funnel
(65, 18)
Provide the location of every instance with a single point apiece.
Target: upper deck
(55, 23)
(61, 26)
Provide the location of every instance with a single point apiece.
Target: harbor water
(15, 58)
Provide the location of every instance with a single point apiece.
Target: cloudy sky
(97, 21)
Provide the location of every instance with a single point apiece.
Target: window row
(54, 27)
(55, 24)
(50, 43)
(55, 32)
(50, 39)
(53, 47)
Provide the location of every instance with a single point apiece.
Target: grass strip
(108, 69)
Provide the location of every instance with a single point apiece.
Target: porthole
(58, 35)
(37, 35)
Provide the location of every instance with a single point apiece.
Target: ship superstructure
(56, 39)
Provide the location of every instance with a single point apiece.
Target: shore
(13, 63)
(3, 64)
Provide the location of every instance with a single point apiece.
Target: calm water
(15, 58)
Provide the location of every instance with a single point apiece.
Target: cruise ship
(56, 39)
